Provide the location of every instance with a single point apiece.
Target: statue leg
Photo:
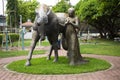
(53, 40)
(56, 55)
(50, 52)
(35, 39)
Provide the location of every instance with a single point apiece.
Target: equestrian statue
(50, 24)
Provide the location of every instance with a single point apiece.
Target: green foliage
(42, 66)
(14, 37)
(90, 9)
(27, 9)
(101, 14)
(16, 8)
(12, 11)
(62, 6)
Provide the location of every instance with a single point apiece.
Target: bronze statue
(50, 24)
(74, 20)
(69, 38)
(45, 22)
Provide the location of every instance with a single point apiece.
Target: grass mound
(42, 66)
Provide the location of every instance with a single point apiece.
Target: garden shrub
(14, 37)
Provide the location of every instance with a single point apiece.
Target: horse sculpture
(50, 23)
(45, 22)
(69, 41)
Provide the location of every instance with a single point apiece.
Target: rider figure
(73, 19)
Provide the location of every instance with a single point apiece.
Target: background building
(3, 23)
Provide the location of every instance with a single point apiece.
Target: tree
(104, 15)
(62, 6)
(27, 9)
(12, 11)
(16, 8)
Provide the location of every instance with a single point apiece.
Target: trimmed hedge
(14, 37)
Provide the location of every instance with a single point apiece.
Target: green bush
(13, 36)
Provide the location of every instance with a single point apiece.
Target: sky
(1, 6)
(48, 2)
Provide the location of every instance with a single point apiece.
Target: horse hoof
(72, 63)
(42, 38)
(48, 58)
(27, 64)
(55, 60)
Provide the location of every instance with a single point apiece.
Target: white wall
(28, 35)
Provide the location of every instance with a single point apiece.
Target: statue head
(71, 12)
(42, 13)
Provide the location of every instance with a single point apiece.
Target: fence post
(22, 38)
(6, 34)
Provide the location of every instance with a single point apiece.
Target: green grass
(101, 50)
(4, 54)
(45, 43)
(42, 66)
(27, 42)
(102, 47)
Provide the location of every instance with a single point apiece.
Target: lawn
(27, 43)
(101, 47)
(96, 46)
(42, 66)
(4, 54)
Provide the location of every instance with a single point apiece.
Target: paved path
(111, 74)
